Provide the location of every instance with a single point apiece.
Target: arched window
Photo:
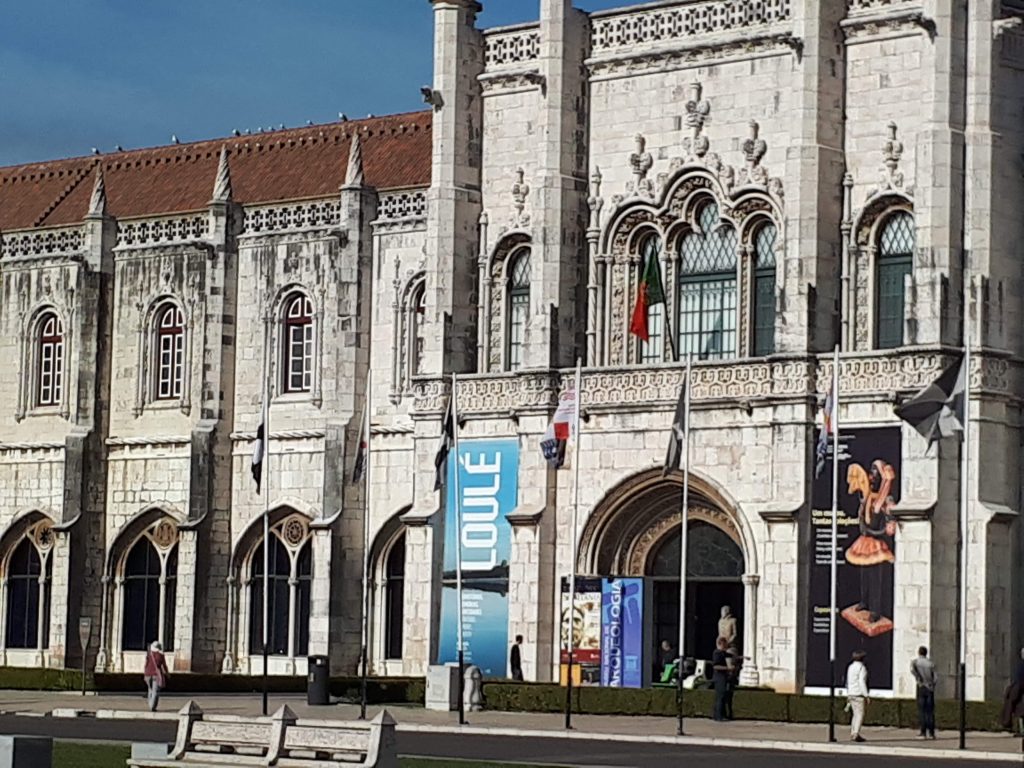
(417, 313)
(298, 343)
(170, 352)
(50, 378)
(518, 307)
(764, 290)
(288, 604)
(707, 288)
(28, 597)
(895, 261)
(653, 350)
(150, 591)
(394, 600)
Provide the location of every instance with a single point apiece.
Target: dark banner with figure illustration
(869, 487)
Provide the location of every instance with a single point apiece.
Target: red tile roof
(291, 164)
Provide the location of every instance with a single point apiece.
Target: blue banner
(622, 633)
(489, 486)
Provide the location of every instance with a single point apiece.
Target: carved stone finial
(754, 150)
(640, 161)
(697, 111)
(520, 191)
(595, 201)
(98, 201)
(354, 169)
(892, 153)
(222, 185)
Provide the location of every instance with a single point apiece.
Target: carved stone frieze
(510, 48)
(162, 231)
(510, 81)
(496, 394)
(42, 242)
(316, 214)
(401, 211)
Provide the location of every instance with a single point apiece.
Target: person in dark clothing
(734, 661)
(923, 671)
(515, 659)
(720, 665)
(666, 656)
(1013, 699)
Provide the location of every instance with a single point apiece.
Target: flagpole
(367, 464)
(833, 570)
(683, 520)
(458, 548)
(965, 451)
(575, 534)
(265, 471)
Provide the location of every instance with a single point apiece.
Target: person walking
(923, 670)
(734, 661)
(857, 693)
(155, 674)
(515, 659)
(720, 665)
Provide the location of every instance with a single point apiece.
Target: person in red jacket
(155, 674)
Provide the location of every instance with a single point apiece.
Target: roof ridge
(82, 173)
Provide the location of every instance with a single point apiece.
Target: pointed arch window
(150, 592)
(894, 263)
(653, 350)
(290, 577)
(417, 314)
(29, 572)
(170, 352)
(518, 307)
(707, 287)
(394, 600)
(298, 343)
(764, 290)
(50, 374)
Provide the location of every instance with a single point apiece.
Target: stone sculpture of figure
(727, 625)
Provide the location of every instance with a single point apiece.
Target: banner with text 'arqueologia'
(489, 489)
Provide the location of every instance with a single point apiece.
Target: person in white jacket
(857, 693)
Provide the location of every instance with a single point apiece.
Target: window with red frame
(51, 360)
(298, 344)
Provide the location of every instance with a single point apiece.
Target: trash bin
(318, 683)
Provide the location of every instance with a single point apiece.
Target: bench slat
(297, 737)
(231, 734)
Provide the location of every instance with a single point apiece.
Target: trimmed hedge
(379, 690)
(749, 704)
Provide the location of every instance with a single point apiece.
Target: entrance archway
(635, 531)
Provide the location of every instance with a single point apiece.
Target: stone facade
(574, 141)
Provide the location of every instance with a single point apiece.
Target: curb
(694, 741)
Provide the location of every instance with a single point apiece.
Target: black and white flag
(677, 439)
(444, 445)
(257, 457)
(937, 411)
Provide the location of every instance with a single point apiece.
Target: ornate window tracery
(28, 572)
(50, 369)
(290, 576)
(409, 309)
(298, 343)
(707, 287)
(894, 263)
(518, 308)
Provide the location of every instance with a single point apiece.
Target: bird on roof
(343, 117)
(119, 148)
(95, 151)
(236, 132)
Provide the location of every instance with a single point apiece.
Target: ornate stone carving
(595, 201)
(636, 557)
(630, 29)
(402, 207)
(354, 168)
(98, 200)
(162, 231)
(164, 534)
(520, 191)
(891, 179)
(640, 161)
(697, 112)
(755, 174)
(517, 46)
(318, 214)
(294, 530)
(44, 242)
(222, 184)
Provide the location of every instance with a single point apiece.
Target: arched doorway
(634, 531)
(714, 578)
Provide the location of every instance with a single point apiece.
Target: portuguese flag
(649, 294)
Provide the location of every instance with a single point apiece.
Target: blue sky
(98, 73)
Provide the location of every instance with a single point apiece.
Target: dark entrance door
(714, 578)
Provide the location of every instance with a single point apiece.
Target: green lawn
(69, 754)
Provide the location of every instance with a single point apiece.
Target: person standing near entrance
(155, 674)
(720, 665)
(515, 659)
(857, 693)
(923, 670)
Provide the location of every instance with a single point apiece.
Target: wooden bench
(282, 740)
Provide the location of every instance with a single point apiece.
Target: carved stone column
(749, 676)
(228, 664)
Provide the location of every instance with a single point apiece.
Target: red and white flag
(559, 430)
